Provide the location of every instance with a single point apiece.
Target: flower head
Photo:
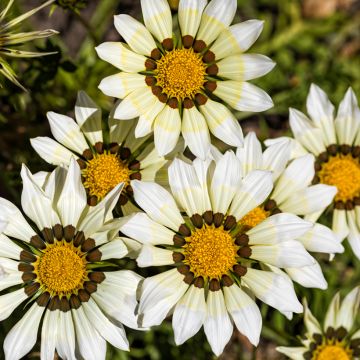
(335, 143)
(60, 267)
(336, 339)
(217, 265)
(10, 40)
(173, 83)
(103, 165)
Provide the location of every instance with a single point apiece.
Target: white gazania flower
(216, 265)
(292, 193)
(58, 267)
(337, 339)
(104, 165)
(172, 82)
(335, 143)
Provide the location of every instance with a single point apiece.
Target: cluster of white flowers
(229, 228)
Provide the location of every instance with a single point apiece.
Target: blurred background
(310, 41)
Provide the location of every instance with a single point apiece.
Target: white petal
(17, 226)
(135, 34)
(114, 249)
(297, 175)
(157, 18)
(65, 342)
(140, 227)
(48, 334)
(189, 14)
(189, 314)
(332, 312)
(159, 294)
(253, 191)
(51, 151)
(354, 233)
(321, 239)
(195, 132)
(146, 119)
(340, 224)
(167, 128)
(22, 337)
(284, 254)
(122, 84)
(72, 199)
(8, 248)
(186, 187)
(349, 309)
(36, 205)
(243, 96)
(153, 256)
(273, 289)
(88, 116)
(217, 326)
(278, 228)
(119, 55)
(135, 103)
(321, 111)
(294, 353)
(9, 302)
(225, 183)
(216, 17)
(250, 154)
(157, 203)
(91, 345)
(115, 335)
(222, 123)
(312, 199)
(67, 132)
(244, 67)
(244, 312)
(308, 276)
(237, 38)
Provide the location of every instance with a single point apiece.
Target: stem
(87, 26)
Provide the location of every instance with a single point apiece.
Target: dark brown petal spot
(135, 176)
(188, 103)
(83, 295)
(339, 205)
(88, 244)
(209, 57)
(214, 285)
(156, 90)
(187, 41)
(242, 240)
(31, 289)
(27, 256)
(156, 54)
(90, 286)
(317, 166)
(48, 235)
(38, 242)
(87, 154)
(64, 304)
(173, 103)
(315, 180)
(244, 252)
(184, 230)
(92, 200)
(212, 70)
(208, 217)
(357, 201)
(178, 240)
(123, 199)
(43, 299)
(125, 153)
(210, 86)
(114, 148)
(75, 303)
(199, 282)
(134, 165)
(58, 231)
(332, 149)
(199, 45)
(97, 276)
(178, 257)
(200, 99)
(345, 149)
(28, 276)
(54, 303)
(349, 205)
(150, 64)
(227, 280)
(25, 267)
(183, 269)
(270, 205)
(239, 270)
(163, 98)
(355, 151)
(197, 221)
(94, 256)
(230, 222)
(168, 44)
(323, 157)
(82, 164)
(69, 232)
(99, 147)
(79, 238)
(150, 80)
(188, 278)
(218, 219)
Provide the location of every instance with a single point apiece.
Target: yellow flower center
(342, 171)
(333, 352)
(254, 217)
(103, 172)
(181, 73)
(210, 252)
(61, 269)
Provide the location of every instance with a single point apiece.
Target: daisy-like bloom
(173, 81)
(103, 165)
(10, 40)
(292, 193)
(60, 265)
(335, 143)
(336, 339)
(217, 266)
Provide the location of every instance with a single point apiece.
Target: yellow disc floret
(181, 73)
(254, 217)
(342, 171)
(103, 173)
(333, 352)
(61, 269)
(210, 252)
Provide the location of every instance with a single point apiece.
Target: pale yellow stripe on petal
(190, 16)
